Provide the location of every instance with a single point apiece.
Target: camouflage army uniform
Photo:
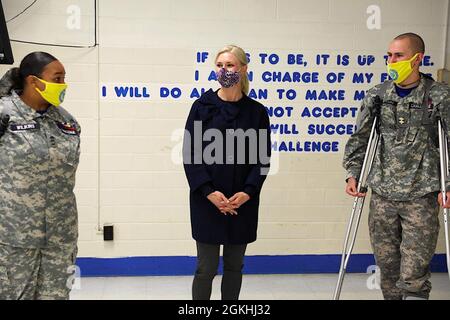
(39, 155)
(403, 218)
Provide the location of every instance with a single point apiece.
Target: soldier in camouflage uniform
(403, 218)
(39, 154)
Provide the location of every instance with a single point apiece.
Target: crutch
(443, 156)
(358, 203)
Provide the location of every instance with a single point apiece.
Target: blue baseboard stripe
(185, 265)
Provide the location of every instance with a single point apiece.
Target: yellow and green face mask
(53, 93)
(401, 70)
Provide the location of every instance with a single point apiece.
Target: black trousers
(207, 264)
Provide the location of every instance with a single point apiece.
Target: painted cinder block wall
(127, 176)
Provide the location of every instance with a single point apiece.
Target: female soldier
(39, 154)
(225, 184)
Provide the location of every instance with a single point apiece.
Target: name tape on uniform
(24, 127)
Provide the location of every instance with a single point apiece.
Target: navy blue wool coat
(229, 175)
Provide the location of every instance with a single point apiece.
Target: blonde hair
(239, 53)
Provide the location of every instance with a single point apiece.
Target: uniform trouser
(36, 273)
(404, 236)
(207, 264)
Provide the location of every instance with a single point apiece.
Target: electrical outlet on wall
(108, 232)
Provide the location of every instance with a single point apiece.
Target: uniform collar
(25, 111)
(415, 97)
(28, 113)
(53, 113)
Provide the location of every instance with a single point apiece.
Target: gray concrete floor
(254, 287)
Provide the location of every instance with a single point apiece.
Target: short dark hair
(417, 43)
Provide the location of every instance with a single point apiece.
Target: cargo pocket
(412, 133)
(67, 151)
(415, 123)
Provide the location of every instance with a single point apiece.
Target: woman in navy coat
(226, 154)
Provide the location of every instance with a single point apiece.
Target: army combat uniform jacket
(39, 154)
(406, 164)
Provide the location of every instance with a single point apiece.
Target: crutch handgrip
(376, 107)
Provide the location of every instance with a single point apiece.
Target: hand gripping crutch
(443, 155)
(358, 203)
